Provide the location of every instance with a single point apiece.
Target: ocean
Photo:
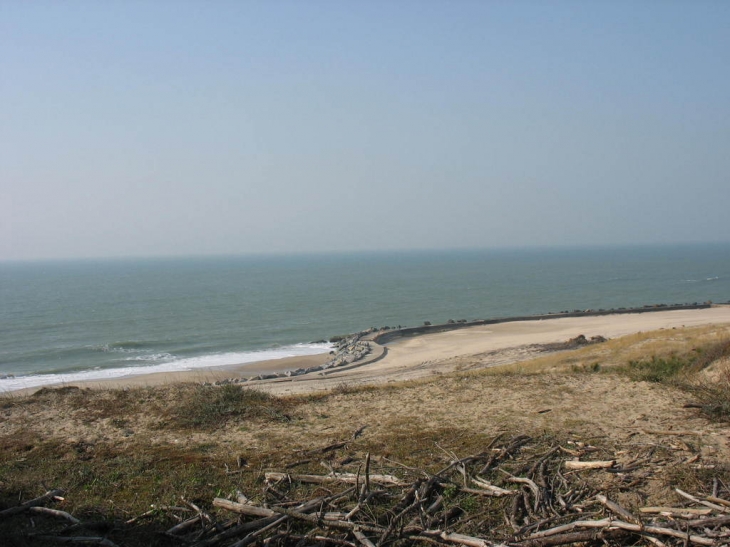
(66, 321)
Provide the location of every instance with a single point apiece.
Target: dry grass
(634, 347)
(118, 451)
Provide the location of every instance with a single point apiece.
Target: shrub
(212, 406)
(657, 369)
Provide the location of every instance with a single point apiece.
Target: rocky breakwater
(348, 350)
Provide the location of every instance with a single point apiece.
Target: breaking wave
(172, 364)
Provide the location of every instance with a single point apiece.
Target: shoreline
(389, 335)
(410, 350)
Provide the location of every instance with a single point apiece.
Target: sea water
(74, 320)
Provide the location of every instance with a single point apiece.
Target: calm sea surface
(63, 321)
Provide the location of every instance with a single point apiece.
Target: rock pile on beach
(348, 350)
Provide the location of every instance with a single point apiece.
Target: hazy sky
(177, 128)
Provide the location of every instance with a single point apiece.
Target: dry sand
(475, 340)
(429, 354)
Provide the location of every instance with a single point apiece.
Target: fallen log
(616, 509)
(80, 539)
(341, 524)
(54, 513)
(489, 492)
(362, 538)
(636, 528)
(184, 525)
(690, 497)
(243, 508)
(578, 466)
(532, 486)
(322, 539)
(571, 538)
(40, 500)
(237, 530)
(461, 539)
(488, 487)
(715, 499)
(349, 478)
(676, 511)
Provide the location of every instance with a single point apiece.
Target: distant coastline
(383, 337)
(93, 320)
(429, 349)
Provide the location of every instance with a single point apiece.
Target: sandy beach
(428, 354)
(143, 447)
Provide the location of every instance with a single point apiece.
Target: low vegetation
(703, 372)
(212, 406)
(127, 458)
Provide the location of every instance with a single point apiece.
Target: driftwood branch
(81, 540)
(350, 478)
(38, 510)
(579, 466)
(45, 498)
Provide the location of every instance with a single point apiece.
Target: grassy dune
(663, 396)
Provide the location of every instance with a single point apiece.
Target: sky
(174, 128)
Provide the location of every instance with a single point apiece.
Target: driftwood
(81, 540)
(350, 478)
(41, 500)
(38, 510)
(682, 512)
(553, 506)
(523, 499)
(578, 466)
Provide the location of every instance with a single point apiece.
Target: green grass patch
(712, 395)
(213, 406)
(657, 369)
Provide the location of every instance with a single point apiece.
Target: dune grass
(618, 352)
(115, 481)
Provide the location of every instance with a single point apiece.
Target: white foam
(180, 365)
(151, 357)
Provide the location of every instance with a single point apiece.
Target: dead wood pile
(515, 493)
